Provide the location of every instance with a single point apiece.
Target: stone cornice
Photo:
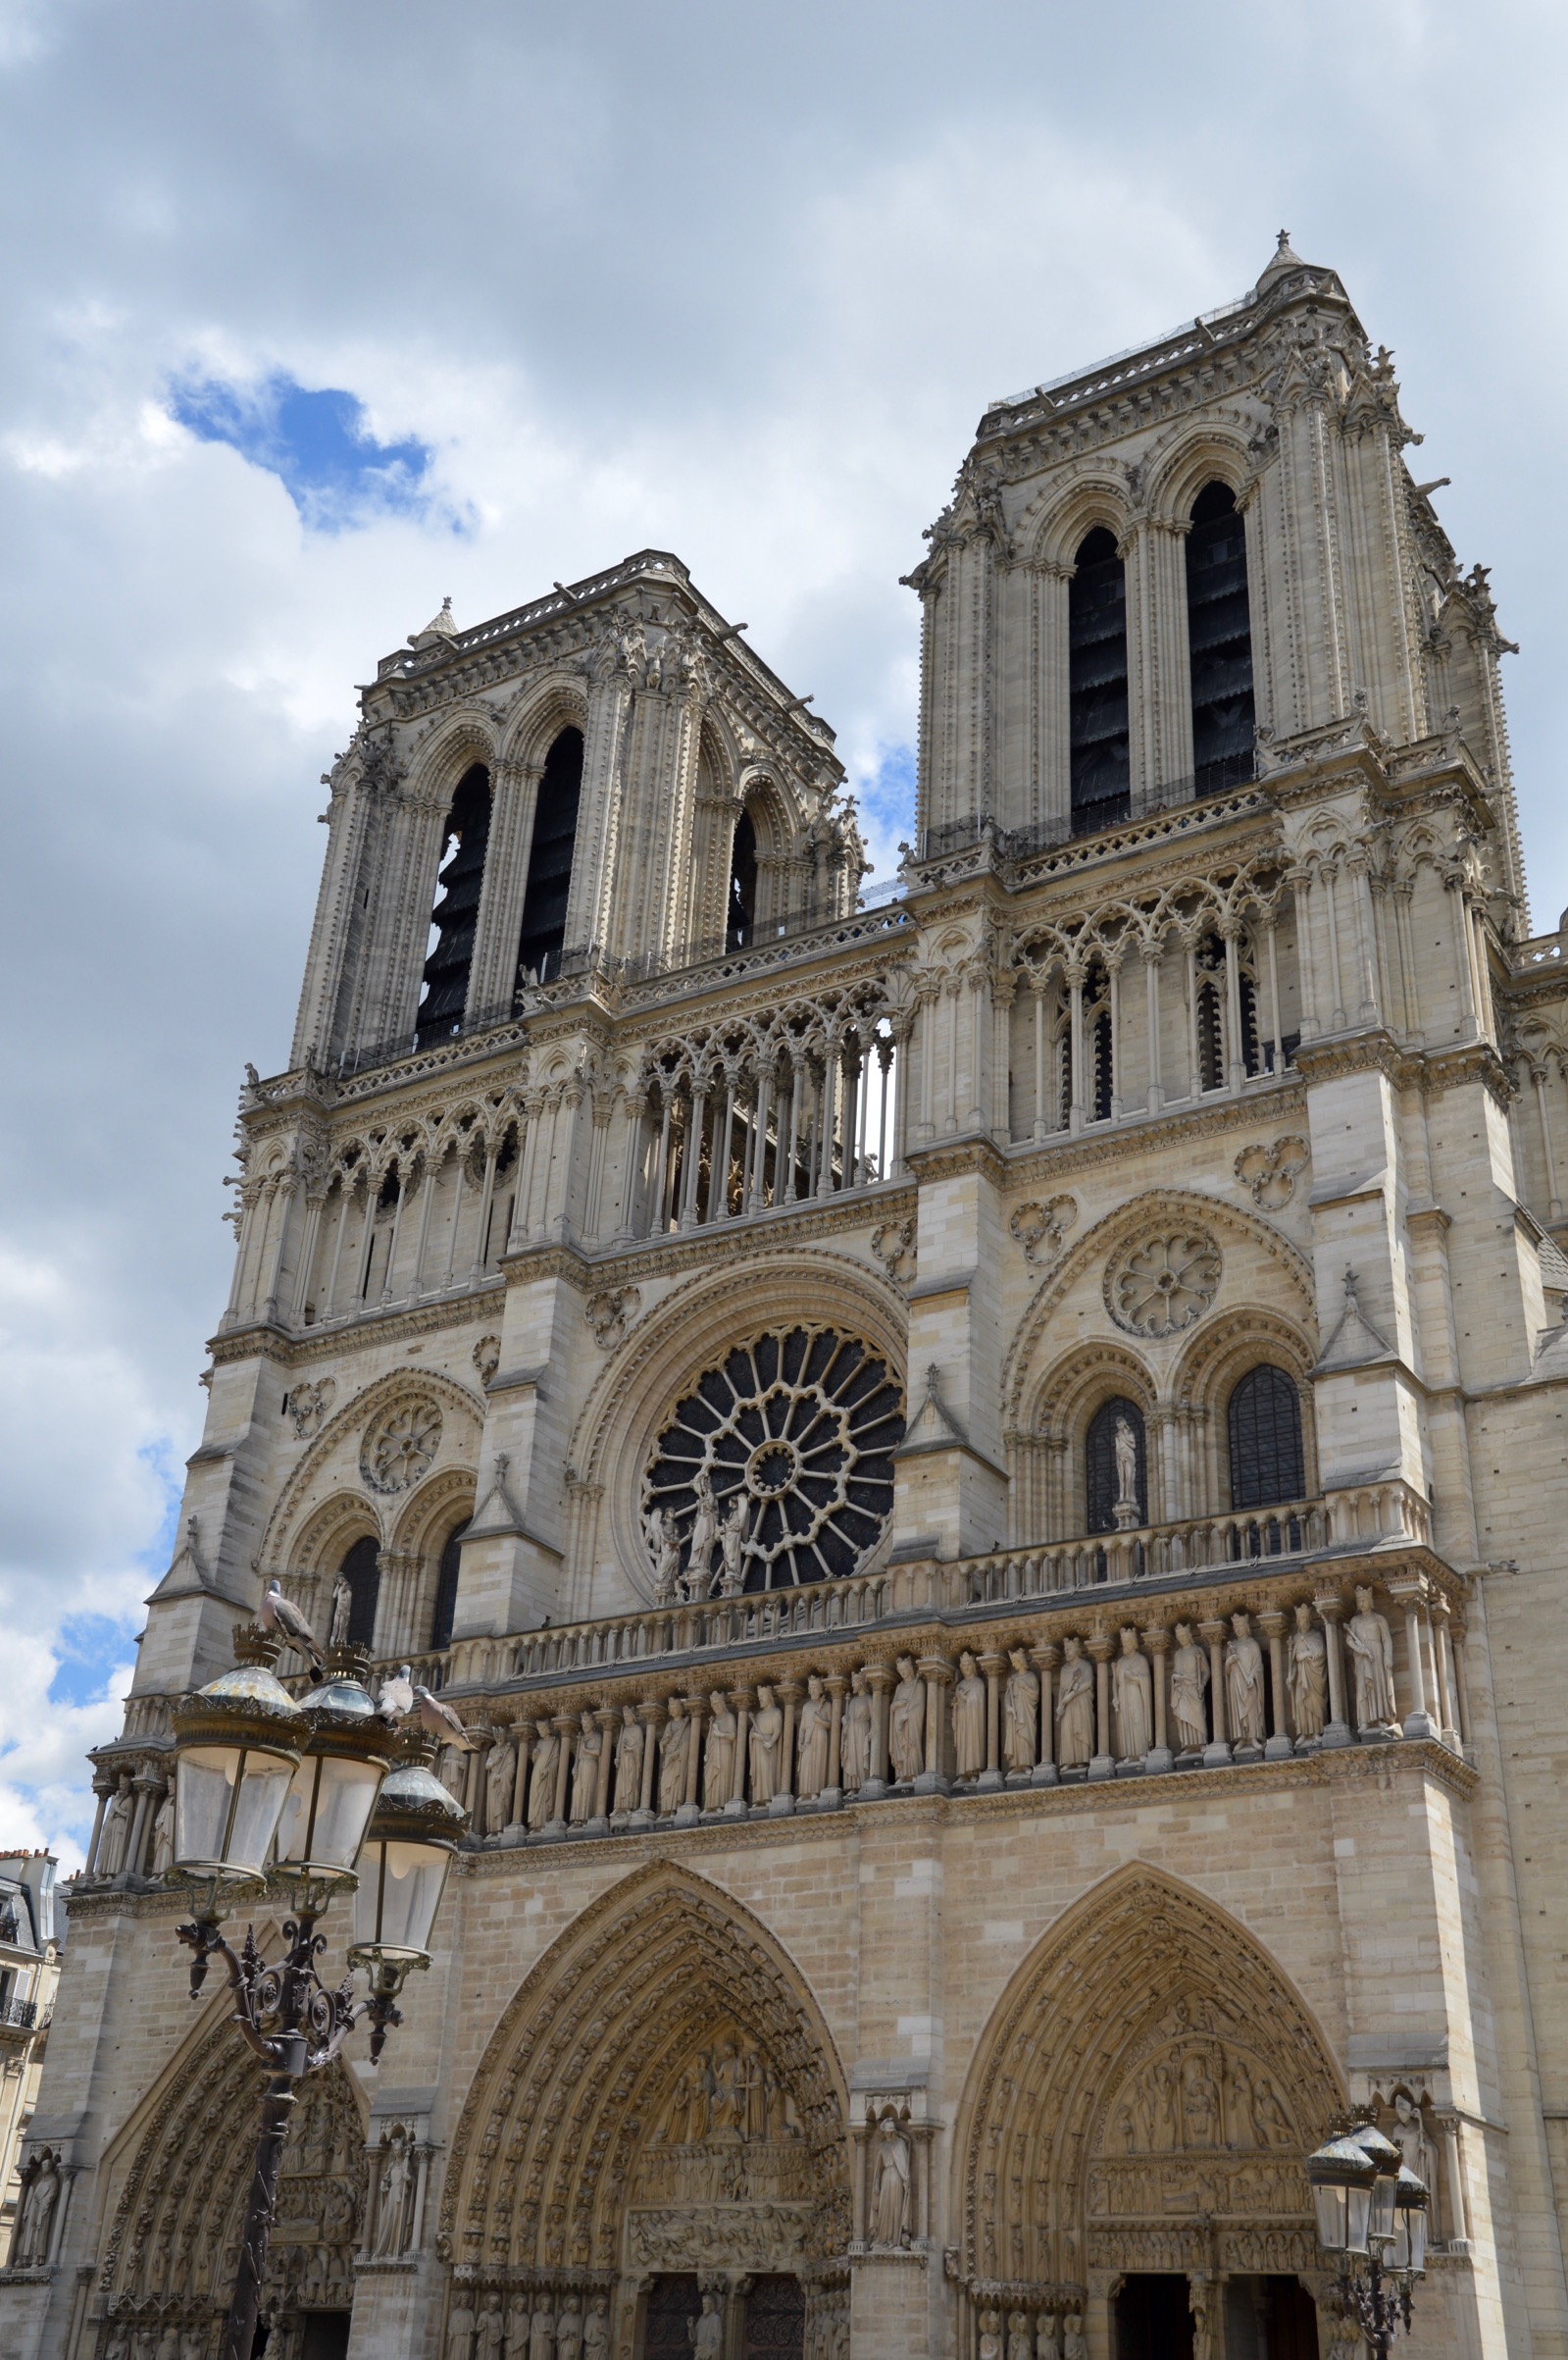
(1041, 1161)
(391, 1326)
(777, 1229)
(952, 1158)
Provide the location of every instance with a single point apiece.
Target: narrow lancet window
(1219, 633)
(361, 1569)
(742, 918)
(455, 916)
(446, 1590)
(1096, 659)
(549, 885)
(1264, 1422)
(1115, 1466)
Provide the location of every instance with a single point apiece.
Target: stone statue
(392, 2198)
(453, 1771)
(541, 1780)
(719, 1760)
(596, 2331)
(1020, 2342)
(697, 1580)
(1047, 2338)
(163, 1835)
(168, 2342)
(906, 1722)
(1366, 1635)
(1198, 2302)
(460, 2331)
(119, 2343)
(517, 2328)
(1200, 2101)
(630, 1742)
(1133, 1688)
(569, 2331)
(1075, 1707)
(706, 2335)
(497, 1786)
(854, 1738)
(338, 1613)
(1126, 1449)
(1073, 2348)
(489, 2330)
(674, 1739)
(1243, 1684)
(1021, 1714)
(35, 2228)
(990, 2335)
(541, 2331)
(733, 1545)
(1308, 1675)
(1189, 1681)
(115, 1835)
(1409, 2134)
(889, 2186)
(766, 1743)
(968, 1711)
(811, 1740)
(586, 1768)
(664, 1547)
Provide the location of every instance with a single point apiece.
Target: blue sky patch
(89, 1651)
(315, 443)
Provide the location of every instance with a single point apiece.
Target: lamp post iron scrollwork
(1371, 2208)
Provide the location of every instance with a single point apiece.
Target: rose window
(401, 1449)
(1165, 1284)
(799, 1427)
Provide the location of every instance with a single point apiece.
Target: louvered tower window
(742, 918)
(1264, 1419)
(1219, 633)
(1096, 660)
(456, 913)
(549, 885)
(1099, 1464)
(363, 1576)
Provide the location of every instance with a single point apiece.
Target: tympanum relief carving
(729, 2176)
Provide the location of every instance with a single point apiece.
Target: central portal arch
(1139, 2107)
(658, 2125)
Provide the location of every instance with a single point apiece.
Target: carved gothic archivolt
(1142, 2099)
(660, 2093)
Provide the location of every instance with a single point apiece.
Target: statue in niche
(338, 1613)
(541, 2330)
(906, 1722)
(811, 1741)
(586, 1768)
(517, 2328)
(1308, 1674)
(489, 2329)
(719, 1760)
(1200, 2101)
(664, 1548)
(35, 2225)
(1075, 1707)
(1020, 2342)
(1409, 2134)
(163, 1835)
(1047, 2338)
(1243, 1684)
(1125, 1446)
(498, 1786)
(674, 1739)
(541, 1783)
(630, 1745)
(854, 1738)
(392, 2197)
(1198, 2302)
(990, 2335)
(1020, 1715)
(706, 2335)
(697, 1580)
(460, 2329)
(116, 1831)
(596, 2331)
(1073, 2348)
(733, 1545)
(889, 2186)
(569, 2331)
(968, 1711)
(765, 1746)
(453, 1771)
(1190, 1680)
(1133, 1688)
(1371, 1646)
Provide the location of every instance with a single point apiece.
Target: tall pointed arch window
(447, 1589)
(456, 911)
(549, 883)
(741, 921)
(1263, 1418)
(1105, 1471)
(1096, 679)
(1219, 636)
(361, 1569)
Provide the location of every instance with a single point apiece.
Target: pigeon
(279, 1614)
(439, 1721)
(396, 1699)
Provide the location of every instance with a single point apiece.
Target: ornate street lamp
(1371, 2208)
(272, 1794)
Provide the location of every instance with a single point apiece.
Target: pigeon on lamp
(439, 1721)
(281, 1615)
(396, 1698)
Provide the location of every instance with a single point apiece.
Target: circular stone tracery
(1164, 1284)
(803, 1423)
(401, 1447)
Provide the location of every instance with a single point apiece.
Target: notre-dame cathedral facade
(986, 1469)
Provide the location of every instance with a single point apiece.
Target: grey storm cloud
(736, 282)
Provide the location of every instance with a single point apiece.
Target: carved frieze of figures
(738, 2236)
(1195, 2097)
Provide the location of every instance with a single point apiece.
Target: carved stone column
(782, 1802)
(1217, 1751)
(103, 1787)
(1279, 1744)
(565, 1725)
(1157, 1644)
(608, 1722)
(1045, 1658)
(1457, 2223)
(937, 1674)
(1415, 1720)
(836, 1684)
(1100, 1649)
(520, 1773)
(1331, 1607)
(992, 1666)
(880, 1681)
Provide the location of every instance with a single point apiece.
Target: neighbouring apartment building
(985, 1464)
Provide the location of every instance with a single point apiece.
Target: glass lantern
(347, 1748)
(414, 1831)
(1386, 2161)
(1408, 2251)
(238, 1748)
(1341, 2175)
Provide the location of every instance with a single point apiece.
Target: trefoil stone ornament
(610, 1313)
(1269, 1174)
(1041, 1228)
(488, 1358)
(1165, 1284)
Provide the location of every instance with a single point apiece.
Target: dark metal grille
(446, 1590)
(1218, 634)
(672, 2302)
(775, 2319)
(363, 1577)
(457, 909)
(1099, 1464)
(549, 885)
(742, 884)
(1264, 1418)
(1096, 678)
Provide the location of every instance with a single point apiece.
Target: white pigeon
(281, 1615)
(396, 1698)
(439, 1721)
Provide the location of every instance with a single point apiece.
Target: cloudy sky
(318, 311)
